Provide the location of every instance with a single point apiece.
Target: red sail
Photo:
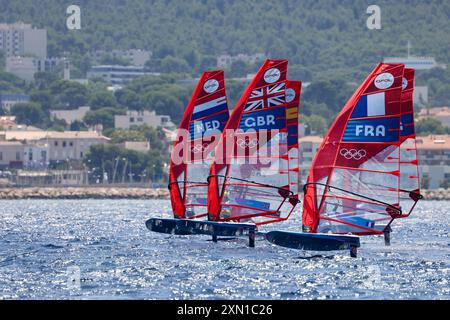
(354, 184)
(257, 157)
(204, 119)
(409, 166)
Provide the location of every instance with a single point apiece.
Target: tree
(69, 94)
(102, 99)
(44, 98)
(427, 126)
(122, 135)
(173, 64)
(77, 126)
(315, 125)
(164, 103)
(103, 116)
(128, 98)
(29, 113)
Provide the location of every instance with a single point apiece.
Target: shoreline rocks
(436, 194)
(83, 193)
(129, 193)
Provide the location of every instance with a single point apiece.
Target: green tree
(77, 126)
(427, 126)
(315, 125)
(173, 64)
(122, 135)
(69, 94)
(43, 98)
(102, 99)
(29, 113)
(128, 98)
(103, 116)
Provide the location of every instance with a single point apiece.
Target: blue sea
(100, 249)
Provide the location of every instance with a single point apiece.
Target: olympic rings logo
(250, 143)
(199, 148)
(353, 154)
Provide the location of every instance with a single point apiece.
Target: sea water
(100, 249)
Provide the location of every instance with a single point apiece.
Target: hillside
(320, 38)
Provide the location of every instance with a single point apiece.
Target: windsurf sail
(355, 184)
(409, 166)
(254, 175)
(202, 123)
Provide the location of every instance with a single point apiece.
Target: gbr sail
(204, 119)
(254, 175)
(356, 183)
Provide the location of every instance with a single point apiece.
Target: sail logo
(259, 121)
(404, 83)
(272, 75)
(266, 119)
(290, 95)
(384, 81)
(202, 126)
(353, 154)
(211, 86)
(371, 131)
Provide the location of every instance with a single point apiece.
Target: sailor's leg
(353, 251)
(251, 238)
(214, 238)
(387, 236)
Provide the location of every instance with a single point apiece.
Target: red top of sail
(354, 182)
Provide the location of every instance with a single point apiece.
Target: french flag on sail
(209, 108)
(370, 105)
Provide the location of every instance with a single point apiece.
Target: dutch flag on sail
(370, 105)
(209, 108)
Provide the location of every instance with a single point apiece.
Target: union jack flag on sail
(265, 97)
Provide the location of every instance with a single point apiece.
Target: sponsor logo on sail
(290, 95)
(211, 86)
(272, 75)
(384, 81)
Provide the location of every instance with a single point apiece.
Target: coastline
(11, 193)
(114, 192)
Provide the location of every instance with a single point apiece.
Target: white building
(22, 67)
(116, 74)
(308, 146)
(434, 160)
(70, 116)
(226, 60)
(42, 147)
(136, 57)
(139, 146)
(20, 39)
(11, 154)
(138, 118)
(441, 114)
